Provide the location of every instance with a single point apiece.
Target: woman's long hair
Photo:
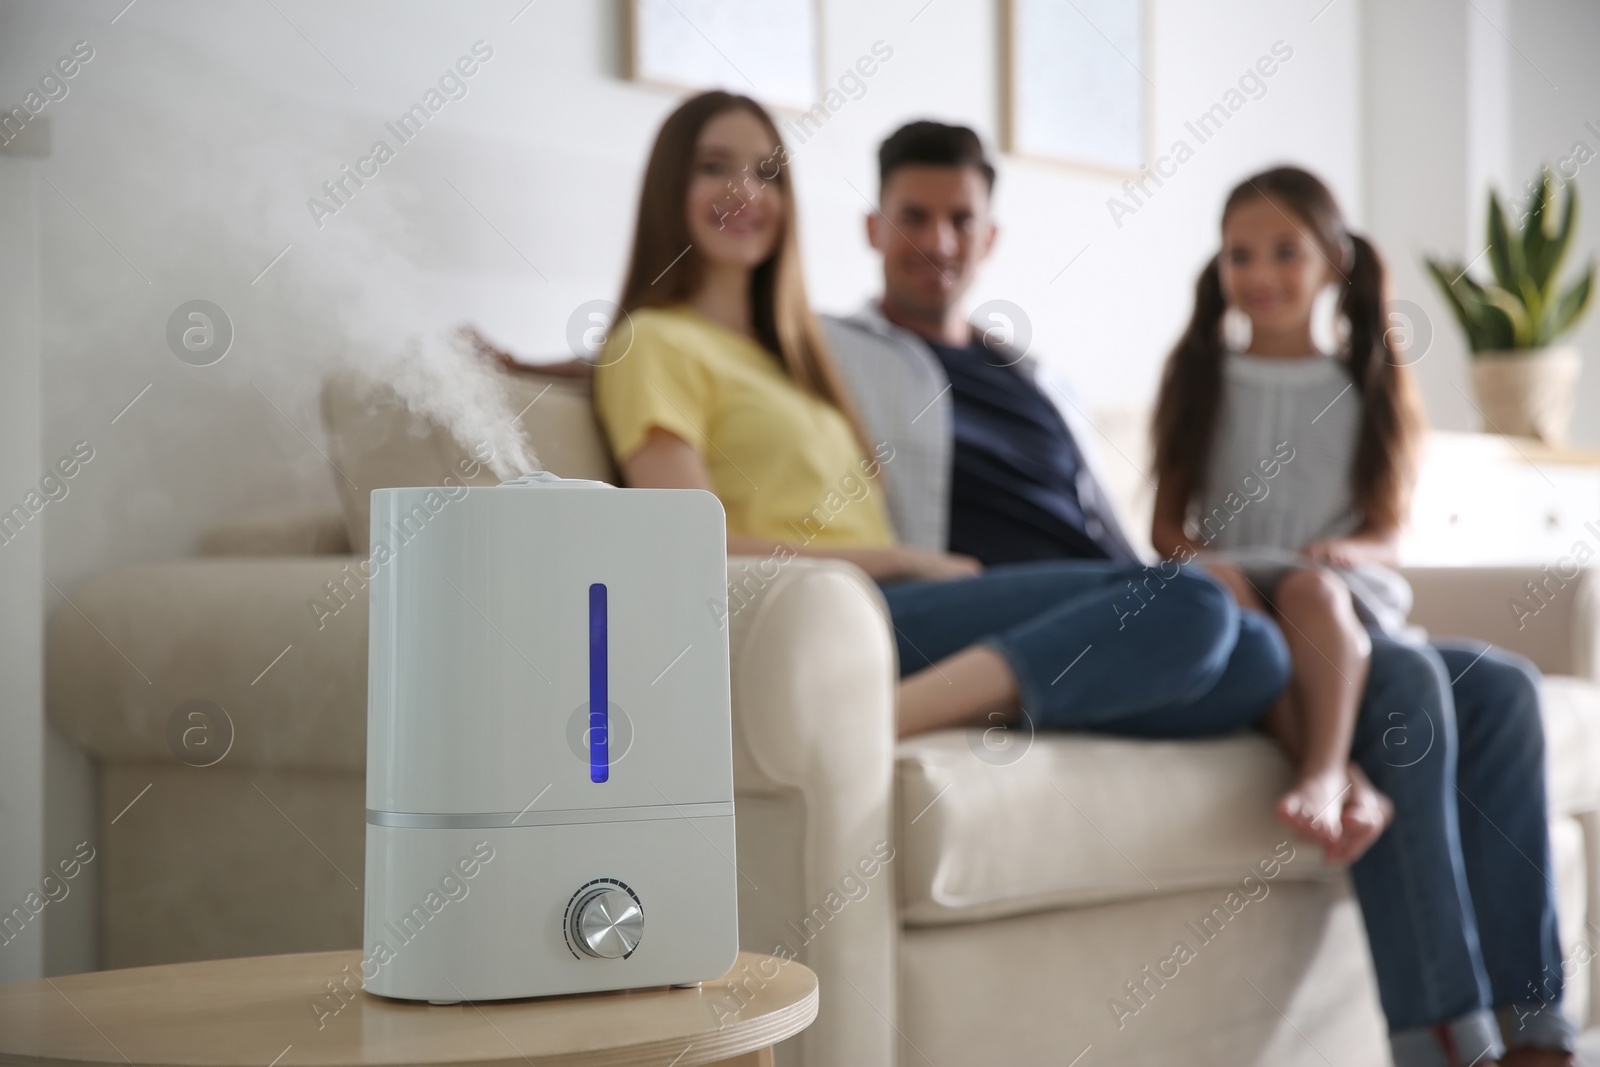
(665, 268)
(1187, 407)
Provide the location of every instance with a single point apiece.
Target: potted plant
(1525, 384)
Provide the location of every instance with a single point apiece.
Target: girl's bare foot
(1366, 814)
(1312, 806)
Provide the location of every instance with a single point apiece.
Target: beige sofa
(1030, 888)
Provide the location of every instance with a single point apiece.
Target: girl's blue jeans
(1457, 895)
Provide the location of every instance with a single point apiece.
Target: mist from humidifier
(440, 378)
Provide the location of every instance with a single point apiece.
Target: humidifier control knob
(606, 921)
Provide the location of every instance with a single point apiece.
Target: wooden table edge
(738, 1043)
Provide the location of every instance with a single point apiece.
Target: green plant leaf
(1496, 331)
(1569, 307)
(1533, 301)
(1556, 250)
(1475, 296)
(1535, 242)
(1505, 251)
(1458, 298)
(1523, 329)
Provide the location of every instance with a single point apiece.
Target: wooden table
(281, 1011)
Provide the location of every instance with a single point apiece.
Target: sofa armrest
(135, 643)
(310, 534)
(1557, 626)
(814, 675)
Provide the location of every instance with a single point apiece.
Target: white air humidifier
(549, 742)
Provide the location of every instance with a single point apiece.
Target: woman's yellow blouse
(783, 461)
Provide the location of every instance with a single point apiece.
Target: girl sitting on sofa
(1453, 940)
(1316, 544)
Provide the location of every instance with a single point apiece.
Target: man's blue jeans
(1450, 732)
(1114, 648)
(1457, 894)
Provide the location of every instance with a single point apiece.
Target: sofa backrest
(1123, 446)
(375, 442)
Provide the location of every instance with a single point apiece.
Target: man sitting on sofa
(993, 460)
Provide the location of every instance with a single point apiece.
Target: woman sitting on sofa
(717, 378)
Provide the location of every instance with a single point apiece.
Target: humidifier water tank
(549, 762)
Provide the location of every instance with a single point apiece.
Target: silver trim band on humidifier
(565, 817)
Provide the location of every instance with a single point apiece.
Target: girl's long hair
(1187, 407)
(665, 268)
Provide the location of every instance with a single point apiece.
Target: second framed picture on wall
(769, 50)
(1075, 84)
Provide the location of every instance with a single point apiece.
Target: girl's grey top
(1280, 476)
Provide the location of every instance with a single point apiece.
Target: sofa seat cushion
(1080, 819)
(1572, 744)
(1073, 819)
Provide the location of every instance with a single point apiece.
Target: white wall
(22, 854)
(1555, 100)
(194, 137)
(1418, 119)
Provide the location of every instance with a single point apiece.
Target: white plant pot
(1527, 392)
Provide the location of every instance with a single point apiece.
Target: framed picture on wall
(1075, 85)
(769, 50)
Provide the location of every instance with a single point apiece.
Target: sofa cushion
(1572, 744)
(374, 442)
(557, 417)
(272, 534)
(273, 649)
(1080, 819)
(1077, 819)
